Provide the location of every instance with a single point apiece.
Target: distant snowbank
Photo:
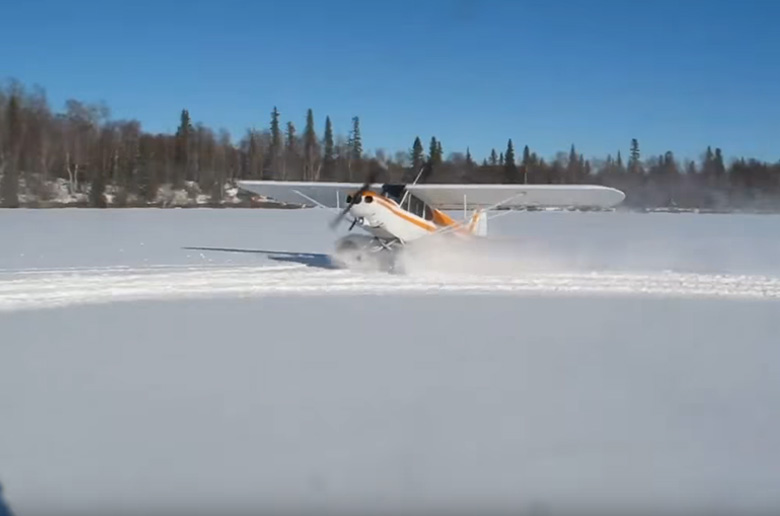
(58, 193)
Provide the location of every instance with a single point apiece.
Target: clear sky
(676, 75)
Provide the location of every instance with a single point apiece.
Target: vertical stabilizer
(478, 224)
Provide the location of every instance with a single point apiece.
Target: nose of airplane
(367, 197)
(361, 203)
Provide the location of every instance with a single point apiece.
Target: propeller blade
(370, 179)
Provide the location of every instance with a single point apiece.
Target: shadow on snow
(317, 260)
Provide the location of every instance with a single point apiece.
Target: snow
(583, 361)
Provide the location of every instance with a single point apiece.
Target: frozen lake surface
(584, 360)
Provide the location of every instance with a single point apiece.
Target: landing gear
(365, 253)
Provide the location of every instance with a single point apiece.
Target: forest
(80, 156)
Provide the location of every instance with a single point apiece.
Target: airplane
(395, 215)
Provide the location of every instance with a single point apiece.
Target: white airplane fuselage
(383, 218)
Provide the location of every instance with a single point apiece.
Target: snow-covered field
(156, 361)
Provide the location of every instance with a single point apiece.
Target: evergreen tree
(469, 161)
(356, 141)
(526, 163)
(290, 158)
(434, 151)
(276, 133)
(501, 159)
(708, 166)
(182, 150)
(493, 158)
(273, 158)
(510, 168)
(310, 150)
(417, 156)
(290, 140)
(329, 156)
(718, 167)
(573, 165)
(634, 156)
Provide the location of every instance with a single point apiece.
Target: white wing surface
(473, 196)
(445, 196)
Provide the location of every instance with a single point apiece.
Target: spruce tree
(633, 159)
(572, 166)
(290, 144)
(275, 151)
(290, 157)
(510, 167)
(356, 141)
(329, 156)
(708, 166)
(526, 163)
(719, 168)
(309, 147)
(417, 156)
(434, 151)
(182, 150)
(276, 133)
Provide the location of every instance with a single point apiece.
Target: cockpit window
(394, 192)
(419, 208)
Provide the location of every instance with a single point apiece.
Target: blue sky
(676, 75)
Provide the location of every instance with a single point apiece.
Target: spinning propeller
(370, 179)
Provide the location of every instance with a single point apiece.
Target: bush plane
(395, 215)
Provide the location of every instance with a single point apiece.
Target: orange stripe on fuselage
(393, 207)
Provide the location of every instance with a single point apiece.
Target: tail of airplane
(475, 226)
(478, 224)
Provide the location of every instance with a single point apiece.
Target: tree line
(95, 155)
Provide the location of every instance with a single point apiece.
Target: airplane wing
(484, 196)
(323, 194)
(444, 196)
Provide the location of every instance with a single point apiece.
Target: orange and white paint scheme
(384, 218)
(396, 215)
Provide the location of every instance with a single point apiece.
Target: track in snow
(50, 288)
